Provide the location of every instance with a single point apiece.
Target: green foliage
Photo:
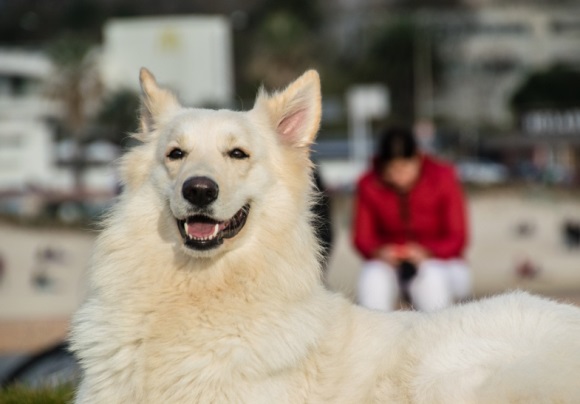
(118, 115)
(282, 30)
(279, 41)
(557, 87)
(306, 11)
(395, 38)
(414, 4)
(25, 395)
(390, 59)
(68, 50)
(83, 16)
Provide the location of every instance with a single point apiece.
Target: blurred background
(492, 86)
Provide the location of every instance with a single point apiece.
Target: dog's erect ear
(295, 111)
(156, 102)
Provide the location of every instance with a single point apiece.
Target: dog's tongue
(199, 229)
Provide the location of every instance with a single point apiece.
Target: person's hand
(389, 254)
(416, 253)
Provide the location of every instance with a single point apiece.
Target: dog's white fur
(250, 322)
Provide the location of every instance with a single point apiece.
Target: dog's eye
(238, 154)
(176, 154)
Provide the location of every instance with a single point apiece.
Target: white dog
(204, 286)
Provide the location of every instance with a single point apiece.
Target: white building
(25, 134)
(190, 54)
(29, 154)
(489, 51)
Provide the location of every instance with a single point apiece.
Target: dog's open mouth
(201, 232)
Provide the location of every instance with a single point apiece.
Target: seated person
(410, 227)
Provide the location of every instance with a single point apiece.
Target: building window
(565, 27)
(14, 85)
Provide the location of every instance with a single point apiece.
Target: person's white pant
(437, 284)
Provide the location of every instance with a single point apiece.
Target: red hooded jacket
(431, 214)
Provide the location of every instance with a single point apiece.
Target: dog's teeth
(215, 230)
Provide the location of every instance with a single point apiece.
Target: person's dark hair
(396, 143)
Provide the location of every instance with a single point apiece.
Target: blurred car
(51, 367)
(481, 172)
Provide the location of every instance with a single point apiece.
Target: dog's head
(219, 171)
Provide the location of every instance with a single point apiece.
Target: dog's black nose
(200, 191)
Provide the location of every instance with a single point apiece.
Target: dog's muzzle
(202, 232)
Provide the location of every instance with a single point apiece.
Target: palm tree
(76, 84)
